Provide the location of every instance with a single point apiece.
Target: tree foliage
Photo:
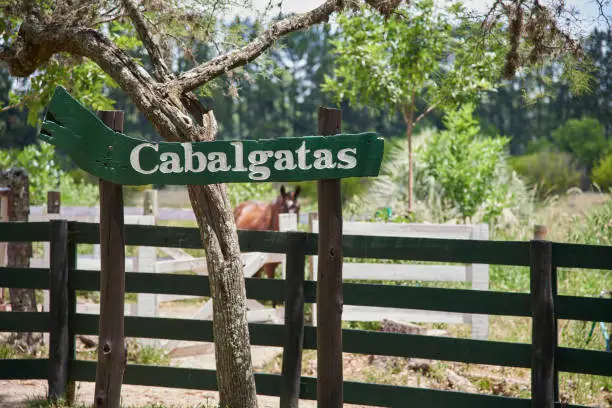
(465, 165)
(44, 174)
(584, 139)
(380, 63)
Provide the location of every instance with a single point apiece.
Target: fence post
(72, 308)
(294, 320)
(59, 313)
(329, 281)
(112, 352)
(480, 281)
(147, 303)
(54, 204)
(312, 270)
(543, 322)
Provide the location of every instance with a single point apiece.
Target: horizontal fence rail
(358, 294)
(355, 341)
(269, 384)
(402, 248)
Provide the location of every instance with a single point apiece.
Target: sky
(588, 9)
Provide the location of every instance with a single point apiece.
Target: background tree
(43, 40)
(414, 56)
(585, 140)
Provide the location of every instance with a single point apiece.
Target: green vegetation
(390, 64)
(466, 167)
(584, 139)
(549, 173)
(45, 175)
(602, 173)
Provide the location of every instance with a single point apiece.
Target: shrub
(466, 165)
(602, 174)
(549, 172)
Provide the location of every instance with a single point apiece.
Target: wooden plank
(355, 341)
(35, 322)
(417, 249)
(377, 314)
(479, 276)
(91, 263)
(413, 230)
(543, 326)
(26, 278)
(146, 261)
(582, 256)
(584, 361)
(329, 277)
(401, 272)
(129, 219)
(72, 303)
(437, 250)
(24, 369)
(19, 231)
(59, 312)
(400, 297)
(111, 346)
(197, 265)
(269, 384)
(294, 321)
(164, 213)
(584, 308)
(437, 299)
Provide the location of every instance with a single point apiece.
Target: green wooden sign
(121, 159)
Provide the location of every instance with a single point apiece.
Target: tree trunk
(18, 253)
(231, 332)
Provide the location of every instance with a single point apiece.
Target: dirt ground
(15, 394)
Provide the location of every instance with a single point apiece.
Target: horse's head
(288, 202)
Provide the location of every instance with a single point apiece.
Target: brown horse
(262, 216)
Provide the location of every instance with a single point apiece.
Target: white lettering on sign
(135, 158)
(258, 161)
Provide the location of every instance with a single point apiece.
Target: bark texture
(232, 341)
(18, 253)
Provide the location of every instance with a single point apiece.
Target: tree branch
(107, 20)
(425, 113)
(160, 70)
(210, 70)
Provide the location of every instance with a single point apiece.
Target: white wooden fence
(476, 274)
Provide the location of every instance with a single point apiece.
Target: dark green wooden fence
(354, 341)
